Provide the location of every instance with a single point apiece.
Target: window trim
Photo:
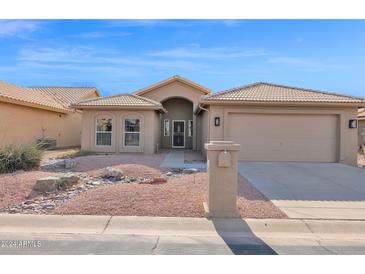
(139, 132)
(190, 128)
(96, 133)
(164, 132)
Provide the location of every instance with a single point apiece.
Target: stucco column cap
(222, 145)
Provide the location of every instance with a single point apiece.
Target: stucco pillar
(222, 179)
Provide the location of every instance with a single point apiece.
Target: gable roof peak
(170, 80)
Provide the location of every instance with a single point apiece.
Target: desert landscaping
(118, 185)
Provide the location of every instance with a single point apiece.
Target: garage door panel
(281, 137)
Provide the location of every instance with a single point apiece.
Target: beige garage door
(282, 137)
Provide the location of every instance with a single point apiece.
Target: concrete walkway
(164, 235)
(310, 190)
(176, 159)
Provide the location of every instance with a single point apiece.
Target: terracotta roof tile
(125, 100)
(23, 95)
(67, 95)
(266, 92)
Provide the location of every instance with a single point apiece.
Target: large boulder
(53, 165)
(112, 173)
(46, 184)
(54, 183)
(67, 180)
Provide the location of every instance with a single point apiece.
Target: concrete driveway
(310, 190)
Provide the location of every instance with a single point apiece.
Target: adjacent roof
(26, 96)
(56, 99)
(174, 78)
(120, 101)
(267, 92)
(68, 95)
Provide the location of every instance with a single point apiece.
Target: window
(166, 127)
(190, 130)
(363, 131)
(104, 132)
(132, 132)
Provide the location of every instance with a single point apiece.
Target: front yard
(180, 195)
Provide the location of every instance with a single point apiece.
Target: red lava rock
(154, 181)
(17, 187)
(179, 196)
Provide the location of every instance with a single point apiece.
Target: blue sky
(120, 56)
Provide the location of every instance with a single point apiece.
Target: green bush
(16, 157)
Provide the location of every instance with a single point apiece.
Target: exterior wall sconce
(353, 123)
(217, 121)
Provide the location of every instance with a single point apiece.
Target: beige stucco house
(270, 122)
(28, 114)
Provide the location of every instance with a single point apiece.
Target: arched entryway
(177, 124)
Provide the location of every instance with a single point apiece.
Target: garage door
(283, 137)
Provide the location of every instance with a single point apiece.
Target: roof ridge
(313, 90)
(122, 94)
(174, 77)
(101, 98)
(146, 99)
(231, 89)
(37, 87)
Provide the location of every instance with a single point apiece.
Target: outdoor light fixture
(217, 121)
(353, 123)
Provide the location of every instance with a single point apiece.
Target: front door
(178, 134)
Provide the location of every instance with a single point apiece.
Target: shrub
(16, 157)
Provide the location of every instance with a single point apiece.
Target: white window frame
(172, 134)
(139, 132)
(190, 128)
(96, 132)
(168, 128)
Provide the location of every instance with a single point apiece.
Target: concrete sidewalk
(184, 226)
(176, 159)
(168, 235)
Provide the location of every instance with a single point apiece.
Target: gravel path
(181, 196)
(16, 187)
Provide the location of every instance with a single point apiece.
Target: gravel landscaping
(143, 190)
(17, 187)
(181, 196)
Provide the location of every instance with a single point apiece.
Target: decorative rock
(189, 170)
(69, 163)
(112, 173)
(46, 184)
(154, 181)
(67, 180)
(53, 165)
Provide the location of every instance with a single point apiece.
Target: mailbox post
(222, 179)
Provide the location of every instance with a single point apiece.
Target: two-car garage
(285, 137)
(281, 123)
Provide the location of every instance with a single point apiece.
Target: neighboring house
(28, 114)
(361, 125)
(271, 122)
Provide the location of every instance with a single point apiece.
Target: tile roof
(174, 78)
(27, 96)
(125, 100)
(267, 92)
(67, 95)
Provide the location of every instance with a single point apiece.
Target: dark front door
(178, 134)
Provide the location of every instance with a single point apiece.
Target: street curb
(175, 226)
